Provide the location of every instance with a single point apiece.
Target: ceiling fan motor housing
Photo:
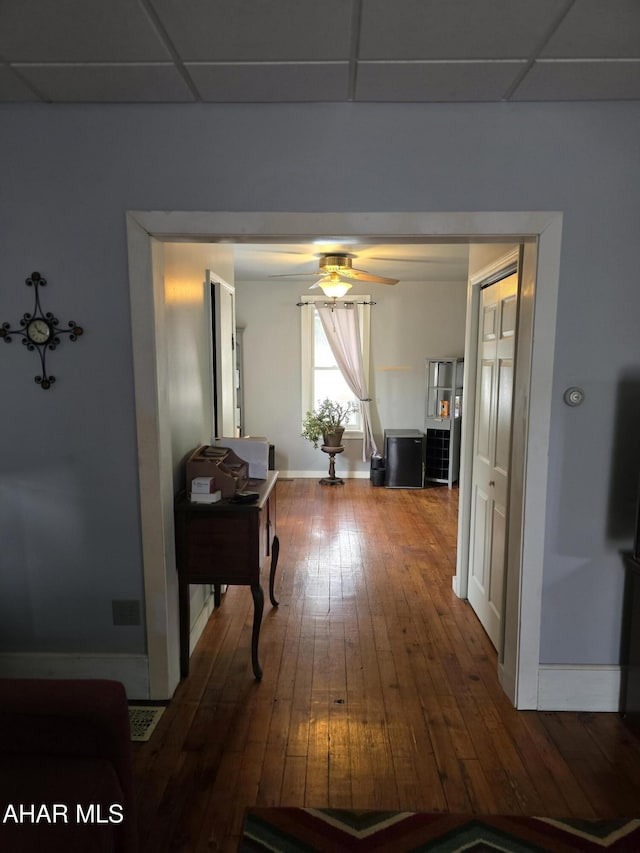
(335, 263)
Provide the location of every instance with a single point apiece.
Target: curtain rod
(334, 304)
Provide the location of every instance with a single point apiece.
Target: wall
(482, 255)
(69, 502)
(187, 327)
(188, 343)
(409, 322)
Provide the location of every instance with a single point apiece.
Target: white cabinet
(443, 417)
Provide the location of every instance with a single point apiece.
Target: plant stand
(332, 480)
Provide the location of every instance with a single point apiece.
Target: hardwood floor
(379, 691)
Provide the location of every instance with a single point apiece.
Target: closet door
(492, 454)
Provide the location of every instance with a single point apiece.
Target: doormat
(143, 720)
(298, 830)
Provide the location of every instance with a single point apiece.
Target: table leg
(332, 480)
(275, 552)
(217, 595)
(258, 607)
(332, 467)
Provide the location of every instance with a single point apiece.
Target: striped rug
(293, 830)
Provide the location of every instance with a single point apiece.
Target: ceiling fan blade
(319, 282)
(362, 275)
(296, 274)
(442, 261)
(338, 267)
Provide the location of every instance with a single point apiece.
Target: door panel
(478, 528)
(492, 453)
(503, 416)
(483, 434)
(498, 541)
(489, 323)
(509, 314)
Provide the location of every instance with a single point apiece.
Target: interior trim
(145, 228)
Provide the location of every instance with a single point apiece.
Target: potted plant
(327, 422)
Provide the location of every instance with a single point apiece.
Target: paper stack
(203, 491)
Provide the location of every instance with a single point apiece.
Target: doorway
(147, 230)
(223, 332)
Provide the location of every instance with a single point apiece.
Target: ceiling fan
(336, 273)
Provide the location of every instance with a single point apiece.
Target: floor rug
(143, 720)
(293, 830)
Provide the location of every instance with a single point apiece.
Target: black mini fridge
(404, 458)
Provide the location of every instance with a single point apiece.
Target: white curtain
(342, 329)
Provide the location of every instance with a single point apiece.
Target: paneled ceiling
(268, 51)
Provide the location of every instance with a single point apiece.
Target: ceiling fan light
(334, 289)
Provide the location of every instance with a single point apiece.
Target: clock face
(38, 331)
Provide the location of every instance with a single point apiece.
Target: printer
(230, 472)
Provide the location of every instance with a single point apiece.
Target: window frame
(307, 365)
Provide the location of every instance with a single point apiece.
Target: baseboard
(312, 475)
(456, 586)
(508, 684)
(579, 688)
(131, 670)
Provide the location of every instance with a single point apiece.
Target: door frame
(146, 230)
(522, 260)
(215, 284)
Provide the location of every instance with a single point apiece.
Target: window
(321, 376)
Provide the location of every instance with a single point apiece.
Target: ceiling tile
(12, 88)
(258, 30)
(78, 31)
(455, 29)
(574, 80)
(271, 82)
(435, 81)
(300, 50)
(102, 83)
(598, 29)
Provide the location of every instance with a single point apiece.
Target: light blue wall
(69, 522)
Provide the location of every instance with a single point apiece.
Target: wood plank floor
(379, 691)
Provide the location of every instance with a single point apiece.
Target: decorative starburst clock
(40, 332)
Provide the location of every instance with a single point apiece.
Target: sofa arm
(72, 720)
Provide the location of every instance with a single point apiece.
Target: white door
(223, 321)
(492, 453)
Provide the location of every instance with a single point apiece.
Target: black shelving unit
(443, 417)
(438, 454)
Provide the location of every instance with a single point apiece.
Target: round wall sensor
(573, 396)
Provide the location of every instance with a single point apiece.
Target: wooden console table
(226, 543)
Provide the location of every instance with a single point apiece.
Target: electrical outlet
(126, 612)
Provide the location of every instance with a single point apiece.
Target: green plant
(326, 419)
